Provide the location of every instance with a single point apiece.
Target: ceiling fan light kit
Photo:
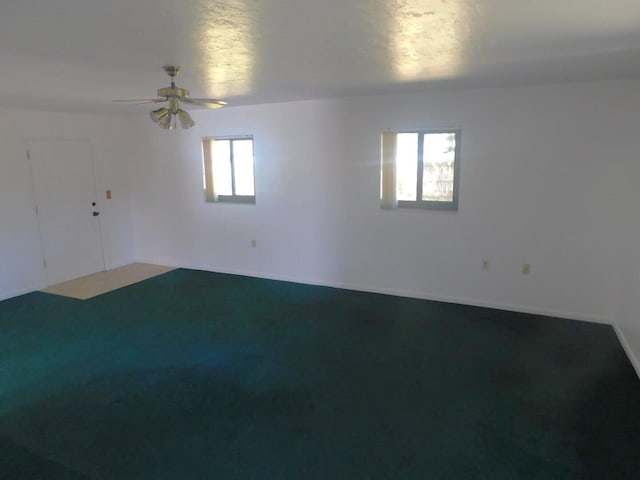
(166, 117)
(185, 119)
(165, 123)
(159, 114)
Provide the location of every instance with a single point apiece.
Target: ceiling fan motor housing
(173, 92)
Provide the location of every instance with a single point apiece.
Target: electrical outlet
(485, 265)
(253, 244)
(526, 269)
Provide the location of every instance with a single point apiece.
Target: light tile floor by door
(96, 284)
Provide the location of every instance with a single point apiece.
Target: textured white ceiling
(78, 55)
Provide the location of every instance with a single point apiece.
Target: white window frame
(388, 173)
(207, 168)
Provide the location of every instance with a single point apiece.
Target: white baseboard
(16, 293)
(635, 361)
(113, 266)
(399, 293)
(169, 263)
(627, 348)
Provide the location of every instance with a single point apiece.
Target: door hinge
(36, 210)
(44, 262)
(28, 155)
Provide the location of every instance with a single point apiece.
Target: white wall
(547, 177)
(21, 268)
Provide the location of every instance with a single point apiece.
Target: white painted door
(68, 214)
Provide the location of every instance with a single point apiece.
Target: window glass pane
(438, 157)
(407, 166)
(221, 167)
(243, 165)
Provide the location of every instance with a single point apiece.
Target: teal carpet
(196, 375)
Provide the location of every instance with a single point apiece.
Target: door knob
(95, 214)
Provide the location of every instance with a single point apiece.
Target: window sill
(239, 199)
(426, 205)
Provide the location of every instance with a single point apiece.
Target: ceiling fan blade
(205, 102)
(142, 100)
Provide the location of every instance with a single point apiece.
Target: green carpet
(197, 375)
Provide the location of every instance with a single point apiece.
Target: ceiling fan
(166, 116)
